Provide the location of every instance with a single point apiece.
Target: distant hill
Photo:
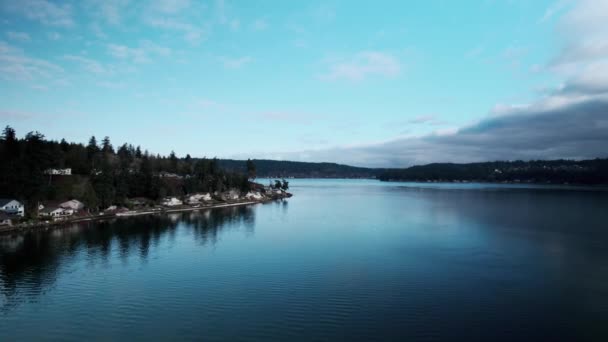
(593, 171)
(279, 168)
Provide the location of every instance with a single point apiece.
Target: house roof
(49, 209)
(4, 201)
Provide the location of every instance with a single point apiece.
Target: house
(72, 204)
(12, 207)
(198, 198)
(58, 172)
(171, 202)
(55, 212)
(165, 174)
(138, 201)
(254, 195)
(5, 220)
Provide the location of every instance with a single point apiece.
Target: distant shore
(132, 213)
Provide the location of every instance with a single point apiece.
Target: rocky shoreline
(144, 211)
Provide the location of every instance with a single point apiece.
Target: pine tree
(251, 172)
(106, 146)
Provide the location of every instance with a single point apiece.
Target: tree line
(594, 171)
(102, 174)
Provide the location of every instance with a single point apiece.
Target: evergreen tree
(251, 173)
(172, 162)
(106, 146)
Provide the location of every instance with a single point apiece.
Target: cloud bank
(569, 122)
(576, 130)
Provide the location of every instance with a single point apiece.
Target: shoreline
(58, 224)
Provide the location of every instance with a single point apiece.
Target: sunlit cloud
(361, 66)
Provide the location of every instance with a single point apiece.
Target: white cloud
(221, 11)
(363, 65)
(19, 36)
(208, 104)
(585, 33)
(39, 87)
(260, 25)
(574, 130)
(140, 54)
(16, 65)
(15, 115)
(43, 11)
(475, 52)
(287, 117)
(235, 24)
(423, 119)
(554, 9)
(570, 122)
(191, 33)
(125, 52)
(97, 31)
(111, 11)
(88, 64)
(53, 36)
(171, 6)
(111, 85)
(235, 63)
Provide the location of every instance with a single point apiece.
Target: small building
(198, 198)
(58, 172)
(138, 201)
(165, 174)
(55, 212)
(72, 204)
(5, 220)
(12, 207)
(171, 202)
(254, 195)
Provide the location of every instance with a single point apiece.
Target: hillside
(279, 168)
(593, 171)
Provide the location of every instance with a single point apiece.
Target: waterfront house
(12, 207)
(72, 204)
(58, 172)
(55, 212)
(198, 198)
(171, 202)
(5, 220)
(165, 174)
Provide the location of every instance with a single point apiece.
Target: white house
(165, 174)
(12, 207)
(55, 212)
(171, 202)
(59, 172)
(254, 195)
(198, 198)
(72, 204)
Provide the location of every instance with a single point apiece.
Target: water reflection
(30, 262)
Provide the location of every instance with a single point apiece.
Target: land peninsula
(45, 182)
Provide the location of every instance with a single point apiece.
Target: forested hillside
(279, 168)
(101, 174)
(553, 171)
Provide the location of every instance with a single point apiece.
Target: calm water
(341, 260)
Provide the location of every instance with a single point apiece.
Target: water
(341, 260)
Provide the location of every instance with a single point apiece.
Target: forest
(293, 169)
(593, 171)
(103, 175)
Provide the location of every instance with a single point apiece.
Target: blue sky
(303, 80)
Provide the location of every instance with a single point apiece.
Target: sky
(367, 83)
